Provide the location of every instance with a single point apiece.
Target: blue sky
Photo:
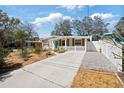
(45, 16)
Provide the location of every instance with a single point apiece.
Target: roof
(115, 37)
(64, 37)
(33, 41)
(60, 37)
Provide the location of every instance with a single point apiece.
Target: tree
(99, 27)
(78, 27)
(20, 36)
(7, 26)
(120, 26)
(88, 25)
(62, 28)
(31, 34)
(117, 39)
(25, 32)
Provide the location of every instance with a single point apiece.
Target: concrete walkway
(57, 71)
(97, 61)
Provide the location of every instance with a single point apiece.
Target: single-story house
(34, 44)
(67, 42)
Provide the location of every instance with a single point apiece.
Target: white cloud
(112, 25)
(72, 7)
(51, 18)
(103, 15)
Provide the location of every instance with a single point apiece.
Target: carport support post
(52, 45)
(65, 43)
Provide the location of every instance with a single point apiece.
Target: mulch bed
(14, 61)
(86, 78)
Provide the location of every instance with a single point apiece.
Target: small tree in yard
(24, 32)
(3, 54)
(20, 37)
(119, 35)
(118, 39)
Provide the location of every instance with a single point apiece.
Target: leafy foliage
(3, 54)
(99, 27)
(7, 26)
(59, 50)
(123, 59)
(24, 53)
(119, 34)
(118, 38)
(78, 28)
(37, 50)
(87, 26)
(63, 28)
(13, 34)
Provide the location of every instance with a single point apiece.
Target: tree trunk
(123, 58)
(1, 44)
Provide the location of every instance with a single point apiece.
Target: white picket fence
(110, 51)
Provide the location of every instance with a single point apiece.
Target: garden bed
(95, 79)
(14, 61)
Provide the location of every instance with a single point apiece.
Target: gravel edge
(119, 80)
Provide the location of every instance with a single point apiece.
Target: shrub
(44, 50)
(48, 53)
(56, 50)
(24, 54)
(61, 50)
(3, 53)
(37, 50)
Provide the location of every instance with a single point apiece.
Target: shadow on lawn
(5, 70)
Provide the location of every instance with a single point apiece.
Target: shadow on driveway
(6, 69)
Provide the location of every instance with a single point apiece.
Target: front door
(56, 43)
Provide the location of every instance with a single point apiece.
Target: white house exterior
(69, 42)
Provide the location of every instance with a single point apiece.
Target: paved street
(57, 71)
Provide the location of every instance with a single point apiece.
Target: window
(77, 42)
(63, 42)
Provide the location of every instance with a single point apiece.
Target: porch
(70, 42)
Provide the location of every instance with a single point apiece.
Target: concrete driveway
(97, 61)
(57, 71)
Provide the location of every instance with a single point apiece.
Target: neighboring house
(34, 44)
(67, 42)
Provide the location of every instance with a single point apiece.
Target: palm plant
(117, 38)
